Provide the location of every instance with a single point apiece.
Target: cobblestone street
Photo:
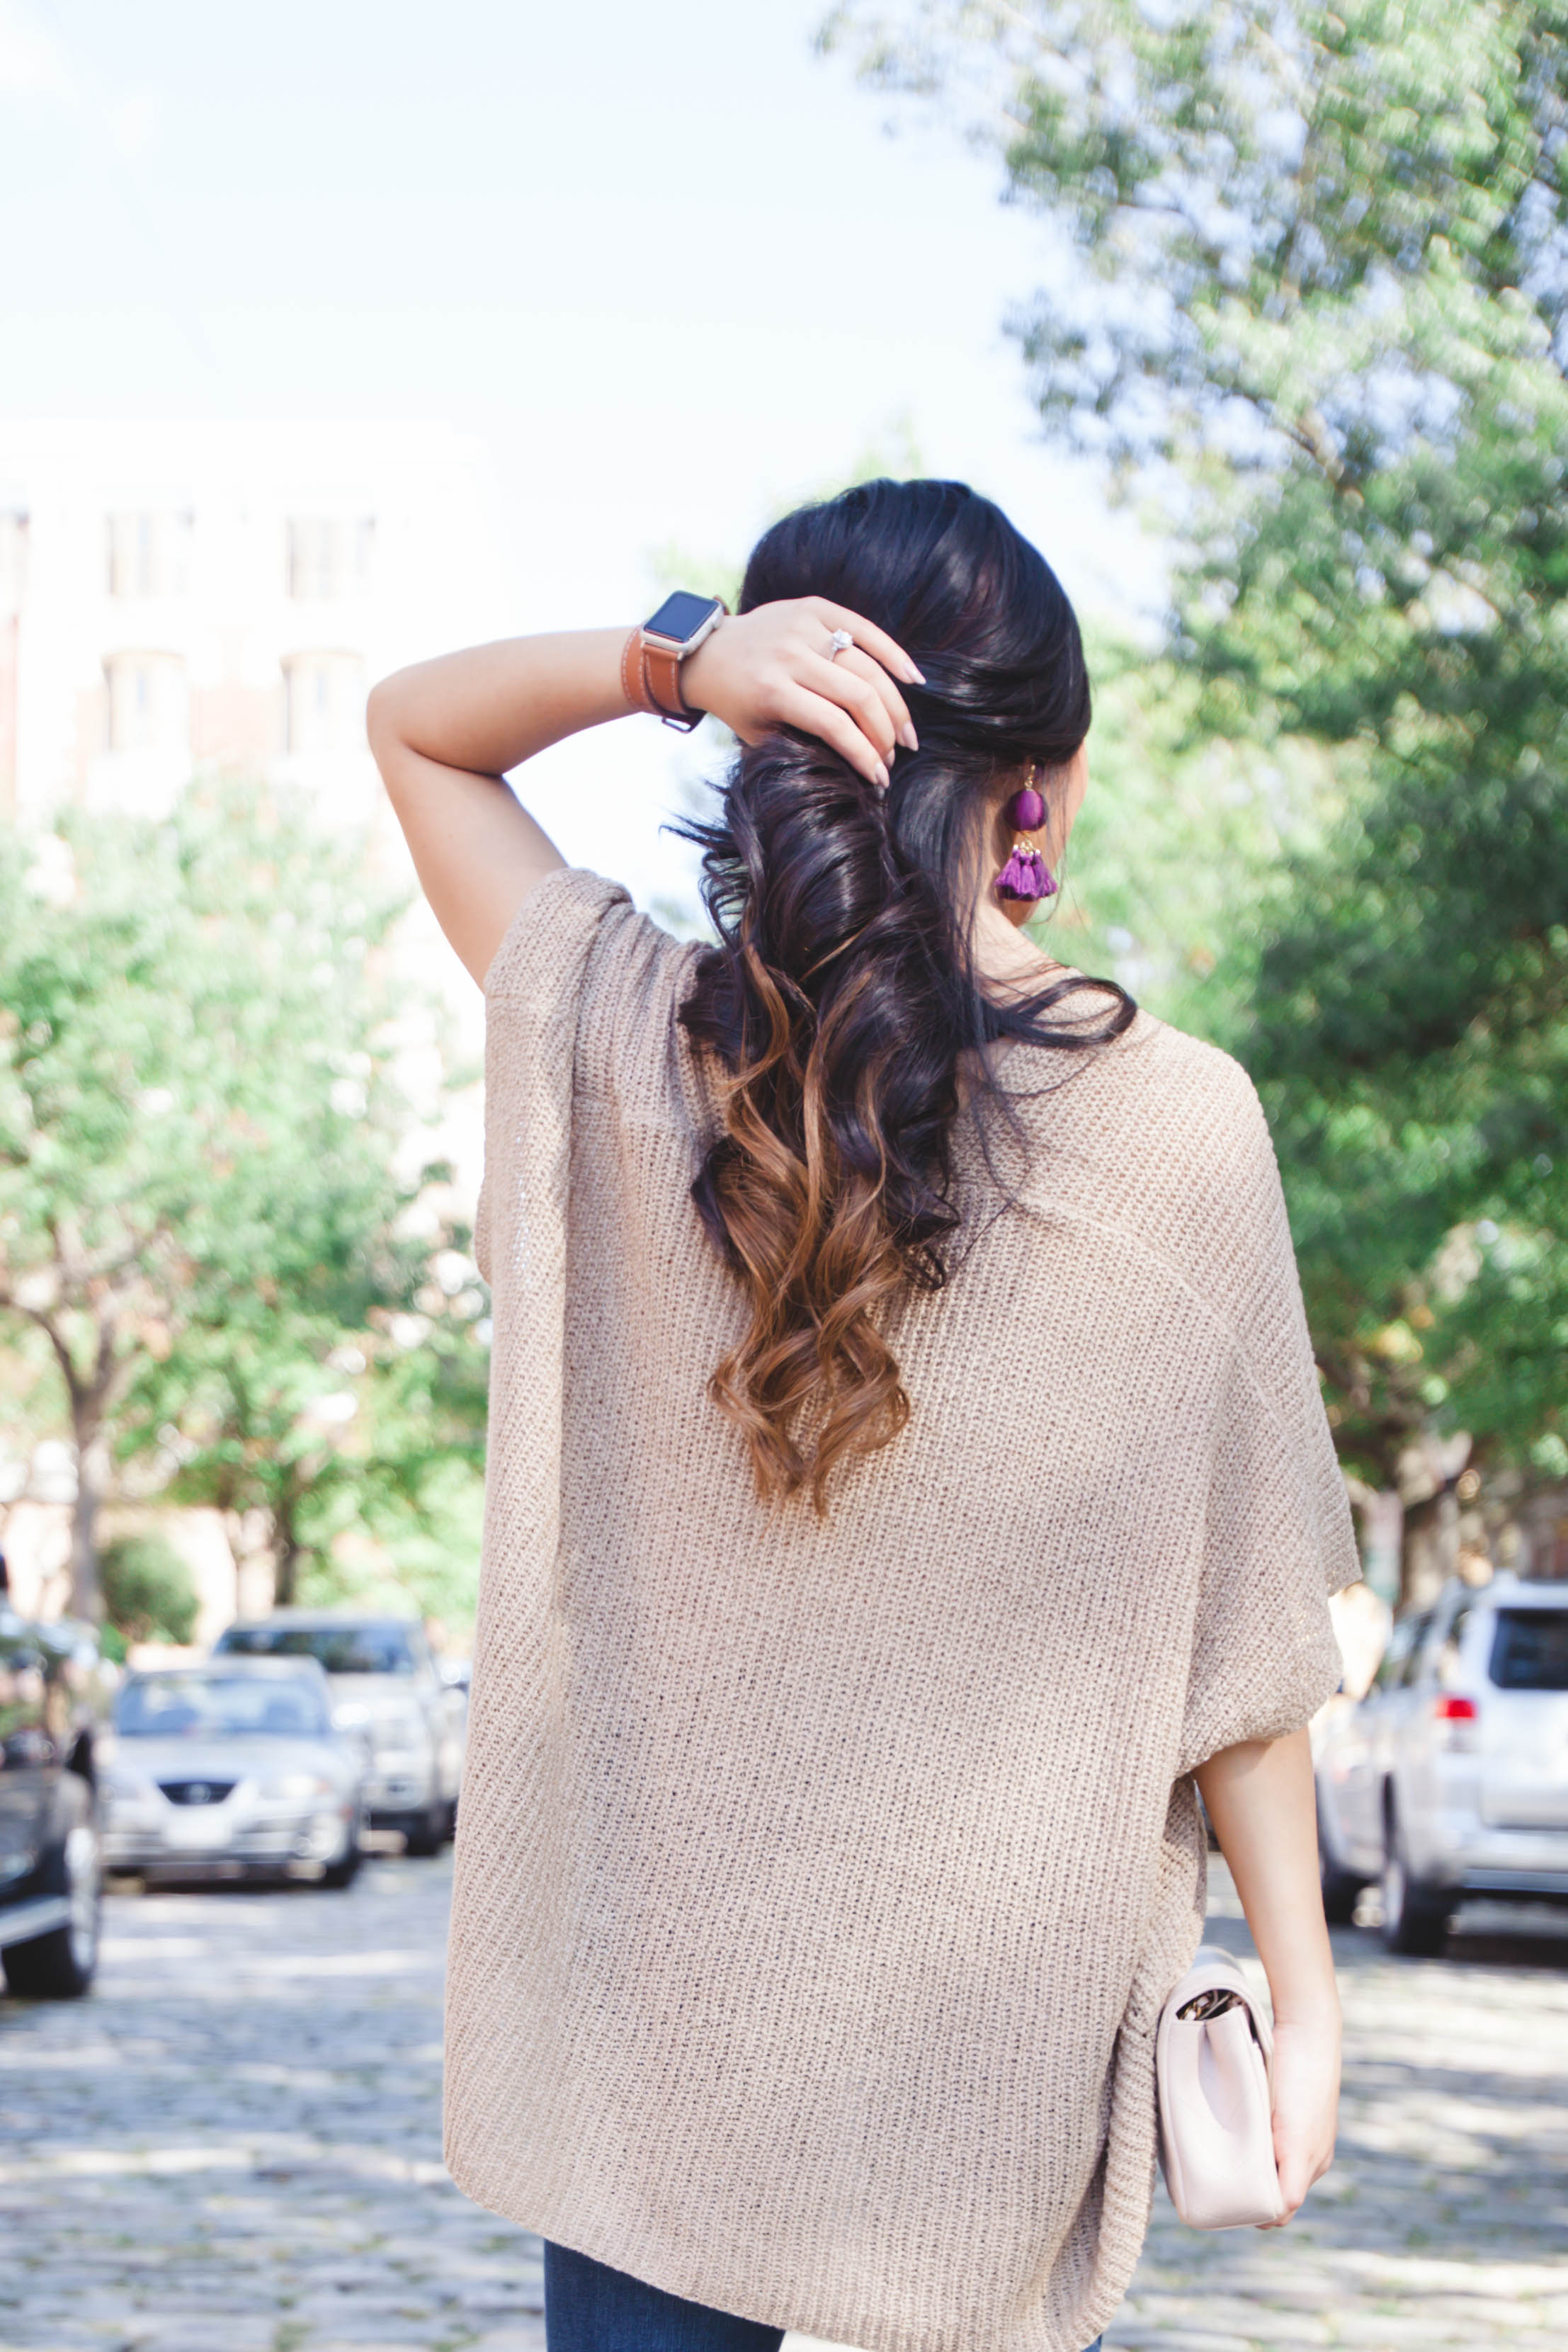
(232, 2146)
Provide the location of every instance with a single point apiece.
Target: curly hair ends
(826, 1189)
(840, 996)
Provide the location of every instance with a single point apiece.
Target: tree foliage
(1180, 845)
(204, 1180)
(1307, 282)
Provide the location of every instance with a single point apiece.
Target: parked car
(385, 1688)
(232, 1769)
(50, 1872)
(1450, 1777)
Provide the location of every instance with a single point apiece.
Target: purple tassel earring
(1026, 874)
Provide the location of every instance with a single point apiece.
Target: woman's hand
(1306, 2104)
(447, 733)
(1262, 1800)
(770, 667)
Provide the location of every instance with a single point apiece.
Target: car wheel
(1416, 1914)
(59, 1966)
(425, 1832)
(345, 1870)
(1342, 1890)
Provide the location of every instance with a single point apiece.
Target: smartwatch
(652, 655)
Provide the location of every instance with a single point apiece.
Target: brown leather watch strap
(661, 677)
(650, 680)
(634, 675)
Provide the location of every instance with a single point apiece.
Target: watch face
(680, 616)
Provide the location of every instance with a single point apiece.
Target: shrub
(147, 1589)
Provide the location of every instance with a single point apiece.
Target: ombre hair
(842, 992)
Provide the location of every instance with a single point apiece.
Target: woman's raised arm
(1260, 1799)
(445, 733)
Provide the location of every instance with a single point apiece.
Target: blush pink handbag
(1212, 2055)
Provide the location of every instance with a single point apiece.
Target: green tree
(1178, 851)
(200, 1129)
(1308, 286)
(303, 1422)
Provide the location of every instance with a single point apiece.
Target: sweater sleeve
(531, 992)
(1277, 1537)
(583, 987)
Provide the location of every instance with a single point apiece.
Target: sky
(667, 266)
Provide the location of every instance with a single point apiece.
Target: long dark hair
(842, 992)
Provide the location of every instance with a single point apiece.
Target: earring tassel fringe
(1026, 875)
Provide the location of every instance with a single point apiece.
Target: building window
(324, 701)
(147, 703)
(149, 555)
(328, 558)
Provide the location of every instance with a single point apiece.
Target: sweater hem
(671, 2278)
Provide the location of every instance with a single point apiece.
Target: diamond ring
(838, 643)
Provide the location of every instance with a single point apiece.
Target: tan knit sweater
(818, 1886)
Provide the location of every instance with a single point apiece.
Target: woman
(907, 1480)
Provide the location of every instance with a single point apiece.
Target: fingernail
(882, 775)
(917, 677)
(909, 739)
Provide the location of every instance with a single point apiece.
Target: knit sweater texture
(818, 1884)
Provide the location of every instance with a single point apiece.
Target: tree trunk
(287, 1550)
(1383, 1540)
(91, 1394)
(287, 1556)
(91, 1483)
(1428, 1472)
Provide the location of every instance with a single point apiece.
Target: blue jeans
(590, 2309)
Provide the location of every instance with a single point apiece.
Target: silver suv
(1450, 1777)
(386, 1689)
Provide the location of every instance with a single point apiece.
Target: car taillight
(1458, 1723)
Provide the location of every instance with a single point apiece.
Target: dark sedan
(51, 1875)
